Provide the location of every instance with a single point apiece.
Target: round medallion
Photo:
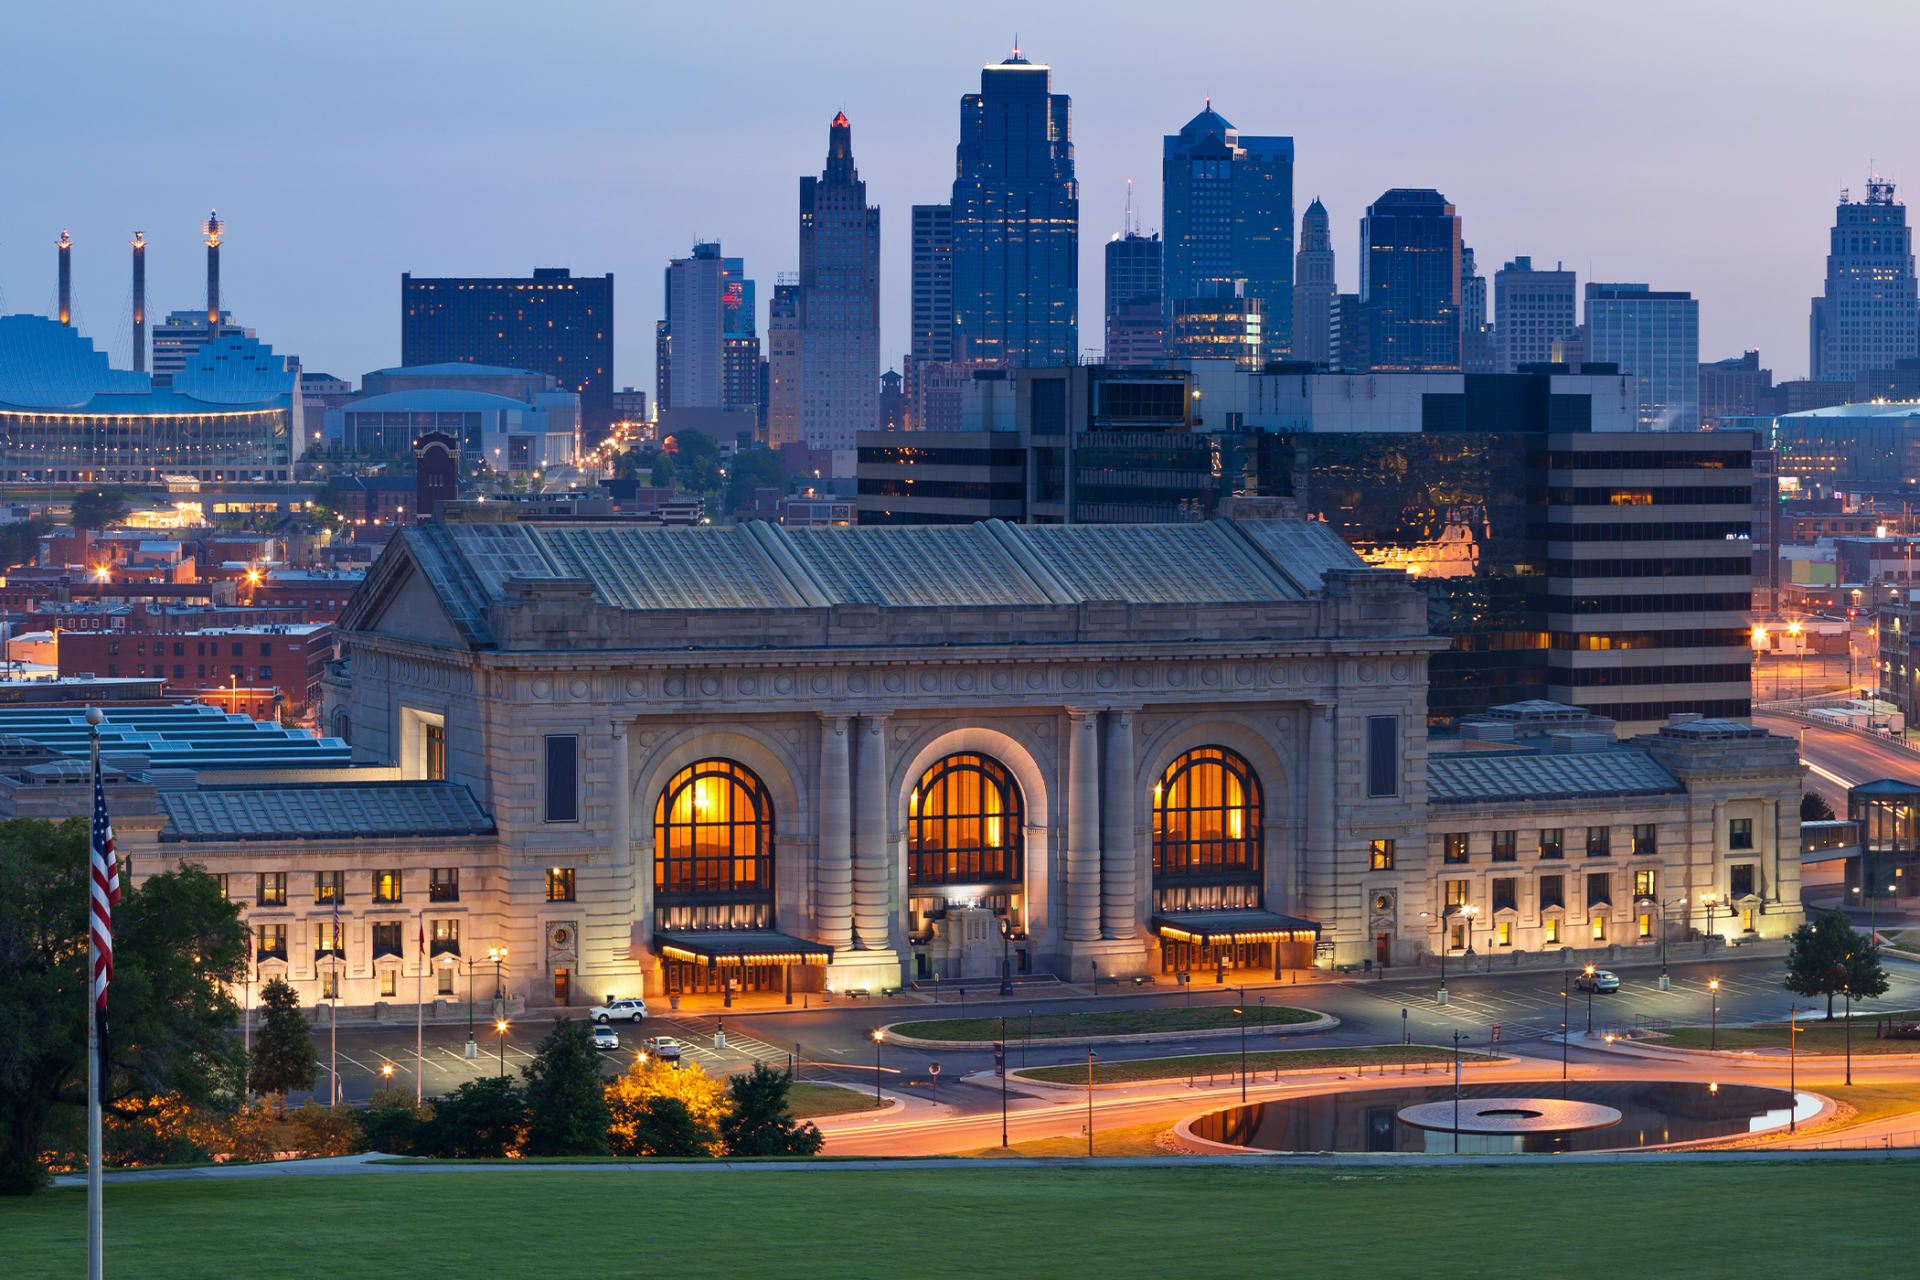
(1402, 669)
(1142, 677)
(1369, 671)
(542, 688)
(1177, 677)
(1210, 676)
(819, 684)
(963, 681)
(1036, 679)
(929, 682)
(709, 685)
(674, 686)
(579, 688)
(1105, 678)
(894, 682)
(749, 685)
(1312, 674)
(783, 684)
(1002, 681)
(1073, 679)
(636, 687)
(1243, 675)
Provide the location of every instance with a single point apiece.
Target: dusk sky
(1692, 144)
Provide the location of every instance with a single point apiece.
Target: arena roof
(763, 566)
(451, 369)
(51, 367)
(434, 400)
(188, 735)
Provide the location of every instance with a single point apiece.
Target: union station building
(665, 760)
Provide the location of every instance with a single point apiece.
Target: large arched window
(964, 824)
(1206, 819)
(713, 835)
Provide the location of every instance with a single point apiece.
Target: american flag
(106, 895)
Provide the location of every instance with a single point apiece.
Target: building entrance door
(562, 987)
(1382, 949)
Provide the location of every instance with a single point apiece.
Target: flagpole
(420, 1017)
(96, 1237)
(246, 1021)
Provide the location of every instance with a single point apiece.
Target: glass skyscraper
(1227, 216)
(1654, 336)
(1016, 221)
(1867, 319)
(1410, 281)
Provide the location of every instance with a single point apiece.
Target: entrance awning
(716, 947)
(1222, 928)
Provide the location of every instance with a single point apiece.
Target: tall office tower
(1410, 281)
(1314, 289)
(1868, 317)
(1016, 222)
(1476, 338)
(1136, 324)
(1227, 214)
(783, 365)
(695, 328)
(839, 300)
(1222, 324)
(1349, 347)
(1532, 310)
(1736, 387)
(740, 373)
(552, 322)
(893, 402)
(930, 338)
(1654, 336)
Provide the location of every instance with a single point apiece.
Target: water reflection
(1652, 1113)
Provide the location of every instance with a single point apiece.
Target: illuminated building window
(445, 938)
(389, 983)
(444, 984)
(713, 834)
(1206, 818)
(386, 886)
(1553, 842)
(1553, 931)
(1380, 855)
(964, 824)
(1599, 928)
(559, 884)
(1456, 847)
(273, 889)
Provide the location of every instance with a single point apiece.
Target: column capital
(1322, 706)
(875, 717)
(1078, 714)
(619, 729)
(835, 720)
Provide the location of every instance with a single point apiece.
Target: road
(1838, 759)
(1802, 677)
(835, 1043)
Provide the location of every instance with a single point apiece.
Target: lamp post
(1468, 911)
(1713, 990)
(1090, 1057)
(1456, 1093)
(879, 1037)
(498, 955)
(1006, 957)
(1002, 1055)
(500, 1025)
(1793, 1040)
(1847, 988)
(1589, 999)
(1706, 906)
(473, 1050)
(1566, 1028)
(1242, 1011)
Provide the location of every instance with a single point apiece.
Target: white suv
(631, 1009)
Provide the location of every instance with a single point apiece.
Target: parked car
(665, 1048)
(605, 1037)
(1598, 980)
(630, 1009)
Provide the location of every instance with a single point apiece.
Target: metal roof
(452, 368)
(1481, 776)
(188, 735)
(763, 566)
(436, 400)
(322, 811)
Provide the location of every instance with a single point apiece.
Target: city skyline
(361, 184)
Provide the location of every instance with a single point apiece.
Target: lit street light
(879, 1036)
(1713, 988)
(1589, 999)
(500, 1025)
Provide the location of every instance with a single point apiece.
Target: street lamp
(498, 955)
(472, 1049)
(1566, 1022)
(1006, 956)
(1589, 999)
(1713, 989)
(1242, 1011)
(1793, 1039)
(879, 1036)
(500, 1025)
(1706, 906)
(1469, 911)
(386, 1073)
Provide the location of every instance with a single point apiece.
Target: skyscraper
(1476, 341)
(1868, 317)
(1016, 221)
(839, 300)
(1532, 310)
(1227, 214)
(552, 322)
(1654, 336)
(1314, 289)
(1410, 281)
(930, 338)
(695, 329)
(1136, 324)
(783, 366)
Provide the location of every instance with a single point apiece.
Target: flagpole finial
(94, 716)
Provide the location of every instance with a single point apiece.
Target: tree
(20, 542)
(1814, 808)
(759, 1124)
(699, 475)
(98, 508)
(754, 469)
(177, 941)
(1828, 957)
(483, 1119)
(566, 1101)
(283, 1057)
(662, 1126)
(631, 1098)
(391, 1123)
(661, 474)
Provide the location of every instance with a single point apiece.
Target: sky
(1691, 144)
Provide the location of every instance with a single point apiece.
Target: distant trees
(1814, 808)
(283, 1056)
(759, 1123)
(20, 542)
(754, 469)
(99, 508)
(480, 1120)
(643, 1126)
(1827, 957)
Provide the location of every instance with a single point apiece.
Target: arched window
(964, 824)
(1206, 819)
(713, 835)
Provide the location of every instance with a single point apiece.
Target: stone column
(833, 867)
(1117, 853)
(870, 893)
(1083, 827)
(1320, 876)
(620, 839)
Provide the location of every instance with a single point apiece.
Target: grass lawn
(1265, 1060)
(812, 1101)
(1355, 1223)
(1132, 1140)
(1111, 1022)
(1817, 1036)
